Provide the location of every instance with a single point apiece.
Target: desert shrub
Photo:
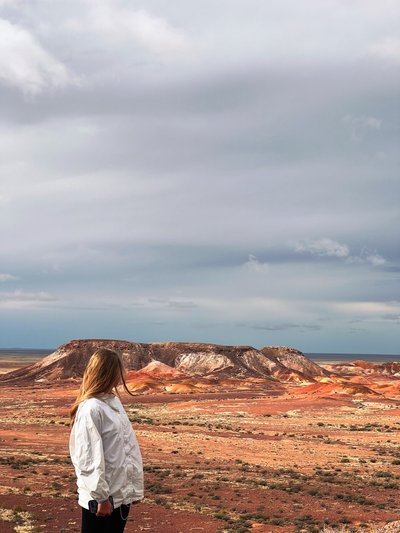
(383, 473)
(277, 521)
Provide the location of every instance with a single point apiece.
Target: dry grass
(21, 520)
(393, 527)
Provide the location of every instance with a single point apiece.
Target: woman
(103, 447)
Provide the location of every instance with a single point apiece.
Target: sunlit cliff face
(198, 368)
(193, 359)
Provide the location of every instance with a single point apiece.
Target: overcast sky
(200, 171)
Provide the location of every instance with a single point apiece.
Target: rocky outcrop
(158, 369)
(70, 360)
(195, 359)
(294, 360)
(329, 389)
(361, 367)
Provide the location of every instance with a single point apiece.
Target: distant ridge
(277, 363)
(391, 368)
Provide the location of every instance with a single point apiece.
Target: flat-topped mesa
(197, 359)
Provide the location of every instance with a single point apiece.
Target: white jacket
(105, 453)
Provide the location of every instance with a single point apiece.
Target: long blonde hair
(103, 373)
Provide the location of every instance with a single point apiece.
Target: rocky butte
(275, 363)
(185, 367)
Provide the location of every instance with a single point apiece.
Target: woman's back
(103, 422)
(103, 447)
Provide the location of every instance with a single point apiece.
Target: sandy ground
(240, 462)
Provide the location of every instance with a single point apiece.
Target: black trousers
(114, 523)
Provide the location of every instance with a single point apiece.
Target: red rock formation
(157, 369)
(363, 364)
(328, 389)
(361, 367)
(391, 368)
(294, 360)
(70, 359)
(196, 359)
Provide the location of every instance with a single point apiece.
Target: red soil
(262, 458)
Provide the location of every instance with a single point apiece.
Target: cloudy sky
(200, 171)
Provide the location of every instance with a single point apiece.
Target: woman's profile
(103, 447)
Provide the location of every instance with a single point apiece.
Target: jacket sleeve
(87, 455)
(138, 481)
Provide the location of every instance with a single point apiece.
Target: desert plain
(237, 456)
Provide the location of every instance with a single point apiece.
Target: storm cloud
(217, 172)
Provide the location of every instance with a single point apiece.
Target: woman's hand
(104, 508)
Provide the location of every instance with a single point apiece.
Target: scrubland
(255, 461)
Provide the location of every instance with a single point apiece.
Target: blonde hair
(103, 373)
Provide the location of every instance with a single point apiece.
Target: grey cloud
(182, 304)
(207, 325)
(185, 179)
(323, 247)
(7, 277)
(284, 327)
(26, 65)
(20, 299)
(362, 126)
(392, 317)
